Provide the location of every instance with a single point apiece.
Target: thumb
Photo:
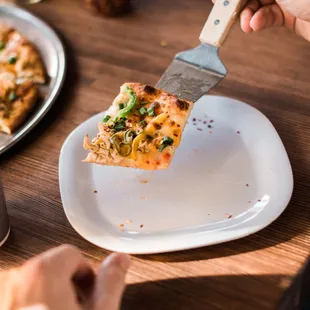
(298, 8)
(111, 282)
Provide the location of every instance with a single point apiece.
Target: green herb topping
(151, 111)
(2, 45)
(106, 118)
(143, 111)
(12, 96)
(12, 60)
(164, 143)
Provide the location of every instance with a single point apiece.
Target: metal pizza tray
(53, 54)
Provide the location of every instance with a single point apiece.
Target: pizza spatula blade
(194, 72)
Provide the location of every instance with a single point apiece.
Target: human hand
(62, 279)
(260, 14)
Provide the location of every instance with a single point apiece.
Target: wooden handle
(220, 21)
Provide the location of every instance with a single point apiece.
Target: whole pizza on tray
(21, 69)
(141, 129)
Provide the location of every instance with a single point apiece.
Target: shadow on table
(211, 292)
(67, 92)
(294, 221)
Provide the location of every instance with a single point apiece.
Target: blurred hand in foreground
(62, 279)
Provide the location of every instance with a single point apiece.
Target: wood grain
(269, 70)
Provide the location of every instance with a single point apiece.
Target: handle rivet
(217, 21)
(226, 2)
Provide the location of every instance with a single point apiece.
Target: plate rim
(193, 245)
(59, 81)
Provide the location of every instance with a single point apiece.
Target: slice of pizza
(19, 56)
(16, 102)
(141, 129)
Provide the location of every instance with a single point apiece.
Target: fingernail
(121, 259)
(125, 261)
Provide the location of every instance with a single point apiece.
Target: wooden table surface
(269, 70)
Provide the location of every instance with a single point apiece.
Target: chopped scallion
(143, 111)
(12, 96)
(12, 60)
(164, 143)
(106, 118)
(151, 111)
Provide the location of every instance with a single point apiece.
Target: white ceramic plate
(224, 183)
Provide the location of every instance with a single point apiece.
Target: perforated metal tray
(52, 51)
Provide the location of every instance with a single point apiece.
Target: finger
(245, 18)
(302, 29)
(297, 8)
(111, 282)
(63, 261)
(267, 16)
(246, 15)
(254, 5)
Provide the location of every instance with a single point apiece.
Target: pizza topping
(143, 111)
(12, 60)
(106, 118)
(121, 106)
(182, 104)
(131, 102)
(151, 111)
(120, 125)
(164, 143)
(149, 89)
(12, 96)
(122, 148)
(143, 123)
(2, 45)
(129, 136)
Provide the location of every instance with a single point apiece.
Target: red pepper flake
(144, 181)
(230, 216)
(247, 184)
(211, 121)
(141, 226)
(167, 156)
(178, 125)
(238, 132)
(147, 162)
(95, 191)
(157, 163)
(121, 225)
(199, 129)
(209, 126)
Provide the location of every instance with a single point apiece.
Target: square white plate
(230, 177)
